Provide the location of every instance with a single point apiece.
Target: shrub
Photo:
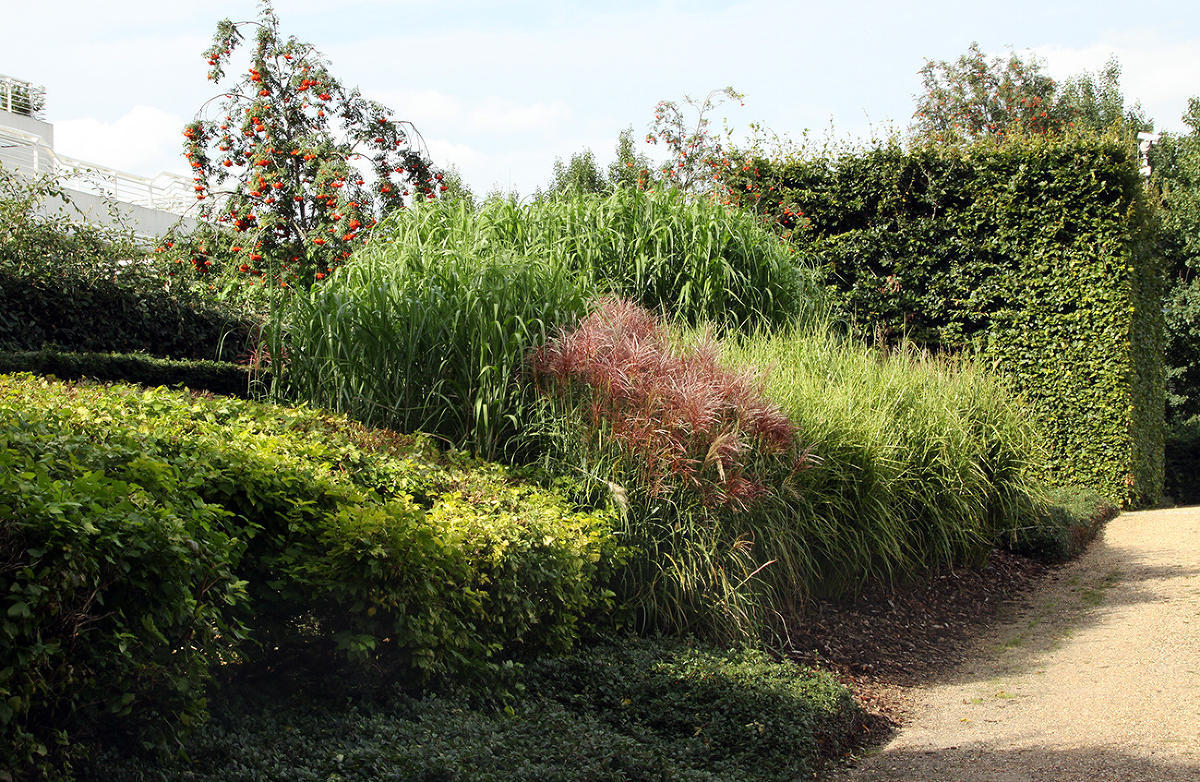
(333, 538)
(842, 465)
(1061, 526)
(428, 326)
(920, 463)
(676, 438)
(118, 591)
(1183, 462)
(68, 285)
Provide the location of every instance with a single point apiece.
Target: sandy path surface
(1096, 677)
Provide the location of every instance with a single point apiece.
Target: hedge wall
(1036, 251)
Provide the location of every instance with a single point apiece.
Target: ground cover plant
(429, 325)
(150, 535)
(633, 709)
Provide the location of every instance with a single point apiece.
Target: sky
(499, 90)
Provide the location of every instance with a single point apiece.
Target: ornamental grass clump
(685, 446)
(926, 463)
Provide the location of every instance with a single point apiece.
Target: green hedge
(1039, 251)
(130, 310)
(214, 376)
(153, 531)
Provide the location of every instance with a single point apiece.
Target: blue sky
(500, 90)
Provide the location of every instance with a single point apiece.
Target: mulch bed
(886, 642)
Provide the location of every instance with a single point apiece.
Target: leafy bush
(214, 376)
(118, 590)
(920, 463)
(640, 710)
(1063, 524)
(1182, 314)
(332, 537)
(842, 465)
(73, 286)
(1039, 249)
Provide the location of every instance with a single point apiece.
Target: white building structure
(100, 195)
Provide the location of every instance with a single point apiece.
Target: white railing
(25, 153)
(21, 97)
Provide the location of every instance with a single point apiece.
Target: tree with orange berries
(299, 167)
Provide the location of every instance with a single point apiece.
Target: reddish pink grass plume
(681, 418)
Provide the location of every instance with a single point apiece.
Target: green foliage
(580, 174)
(918, 464)
(1040, 251)
(169, 519)
(1062, 524)
(428, 339)
(213, 376)
(1175, 162)
(73, 286)
(1095, 102)
(641, 710)
(117, 583)
(1181, 313)
(428, 327)
(1182, 484)
(894, 465)
(279, 160)
(976, 96)
(679, 443)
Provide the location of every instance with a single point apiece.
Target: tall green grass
(901, 464)
(920, 462)
(428, 327)
(427, 339)
(692, 260)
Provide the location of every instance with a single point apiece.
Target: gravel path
(1096, 678)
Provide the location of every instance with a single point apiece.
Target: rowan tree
(298, 166)
(977, 95)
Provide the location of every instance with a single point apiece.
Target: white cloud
(143, 141)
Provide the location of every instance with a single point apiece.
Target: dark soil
(887, 642)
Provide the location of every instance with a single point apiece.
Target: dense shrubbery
(1039, 249)
(72, 286)
(157, 523)
(640, 710)
(428, 326)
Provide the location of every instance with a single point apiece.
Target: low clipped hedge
(151, 534)
(217, 377)
(130, 310)
(1040, 251)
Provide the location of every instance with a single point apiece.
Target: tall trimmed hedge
(1039, 252)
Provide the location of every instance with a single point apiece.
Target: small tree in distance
(976, 96)
(300, 167)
